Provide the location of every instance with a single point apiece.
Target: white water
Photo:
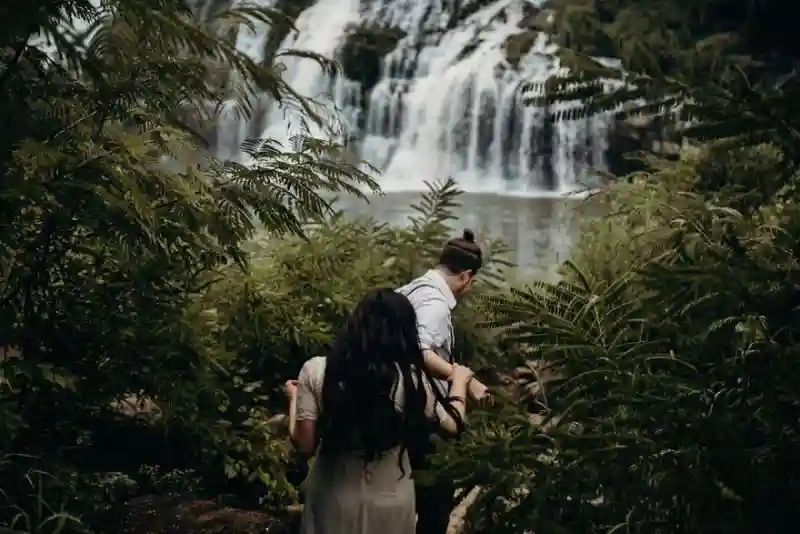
(76, 31)
(320, 30)
(436, 111)
(440, 114)
(448, 102)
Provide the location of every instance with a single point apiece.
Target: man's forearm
(438, 367)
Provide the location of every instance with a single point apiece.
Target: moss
(518, 45)
(364, 50)
(537, 19)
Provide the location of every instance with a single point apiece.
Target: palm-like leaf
(711, 70)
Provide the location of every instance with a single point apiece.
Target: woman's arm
(303, 410)
(290, 388)
(451, 420)
(305, 438)
(458, 401)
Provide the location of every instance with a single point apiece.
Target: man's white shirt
(433, 302)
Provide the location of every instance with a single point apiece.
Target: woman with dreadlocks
(362, 410)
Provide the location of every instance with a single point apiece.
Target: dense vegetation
(667, 389)
(153, 302)
(153, 299)
(111, 237)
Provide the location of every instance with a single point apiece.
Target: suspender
(421, 286)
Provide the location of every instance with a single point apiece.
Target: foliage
(660, 382)
(670, 401)
(26, 505)
(110, 235)
(713, 68)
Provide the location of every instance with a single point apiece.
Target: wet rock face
(518, 45)
(176, 515)
(363, 52)
(291, 9)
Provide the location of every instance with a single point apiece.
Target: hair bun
(468, 235)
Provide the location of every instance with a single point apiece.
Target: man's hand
(461, 374)
(476, 390)
(438, 367)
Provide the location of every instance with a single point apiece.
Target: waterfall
(320, 30)
(448, 100)
(456, 107)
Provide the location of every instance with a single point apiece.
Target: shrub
(673, 405)
(143, 337)
(109, 233)
(299, 292)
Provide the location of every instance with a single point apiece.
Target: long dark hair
(376, 349)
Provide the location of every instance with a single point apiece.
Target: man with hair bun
(433, 296)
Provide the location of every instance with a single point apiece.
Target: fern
(114, 224)
(654, 375)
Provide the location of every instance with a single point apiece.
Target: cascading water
(321, 30)
(448, 102)
(445, 99)
(457, 107)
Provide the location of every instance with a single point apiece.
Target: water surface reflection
(539, 230)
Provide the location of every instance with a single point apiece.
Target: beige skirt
(344, 496)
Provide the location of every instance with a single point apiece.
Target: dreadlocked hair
(377, 348)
